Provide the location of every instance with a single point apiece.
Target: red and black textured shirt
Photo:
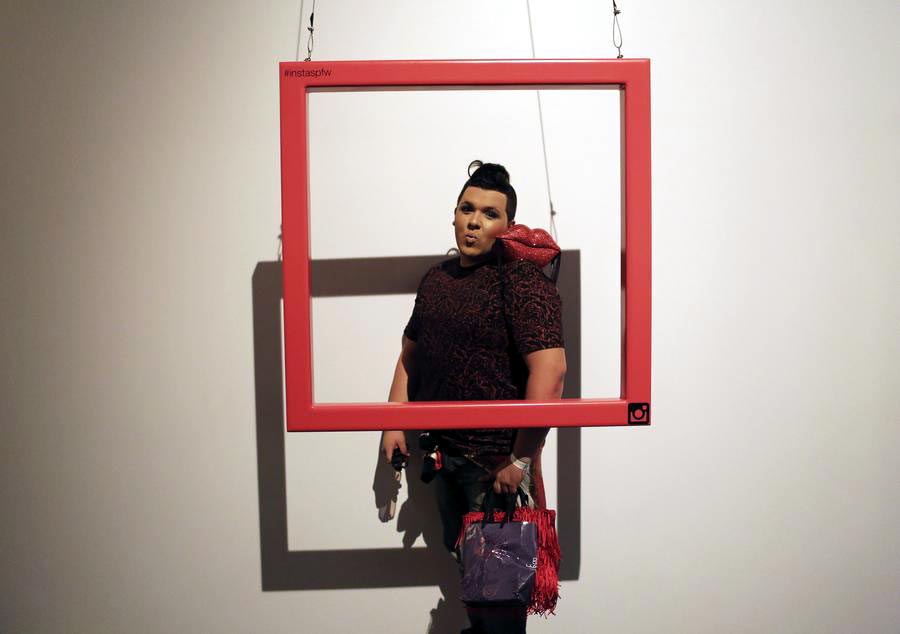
(466, 351)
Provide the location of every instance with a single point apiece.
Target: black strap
(555, 264)
(507, 504)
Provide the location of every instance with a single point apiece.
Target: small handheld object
(432, 461)
(398, 460)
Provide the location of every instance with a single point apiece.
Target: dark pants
(459, 489)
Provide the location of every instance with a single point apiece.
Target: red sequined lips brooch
(522, 243)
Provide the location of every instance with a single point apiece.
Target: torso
(463, 349)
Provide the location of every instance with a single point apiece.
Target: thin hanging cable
(310, 41)
(617, 28)
(309, 51)
(543, 137)
(299, 31)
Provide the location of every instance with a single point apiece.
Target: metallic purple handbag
(499, 559)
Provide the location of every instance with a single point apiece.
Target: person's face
(478, 219)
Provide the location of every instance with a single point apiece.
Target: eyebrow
(468, 202)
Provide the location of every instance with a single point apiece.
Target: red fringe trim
(546, 579)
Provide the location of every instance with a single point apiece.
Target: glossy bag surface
(500, 565)
(499, 562)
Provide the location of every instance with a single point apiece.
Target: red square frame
(632, 76)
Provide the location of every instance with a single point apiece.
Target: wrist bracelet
(522, 463)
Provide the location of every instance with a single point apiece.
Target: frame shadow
(284, 569)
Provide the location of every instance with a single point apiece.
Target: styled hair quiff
(493, 177)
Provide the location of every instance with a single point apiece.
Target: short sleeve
(414, 325)
(533, 308)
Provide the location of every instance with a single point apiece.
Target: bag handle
(491, 502)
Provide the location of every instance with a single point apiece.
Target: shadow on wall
(283, 569)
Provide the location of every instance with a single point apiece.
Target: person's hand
(507, 478)
(392, 439)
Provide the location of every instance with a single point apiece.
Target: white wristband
(522, 463)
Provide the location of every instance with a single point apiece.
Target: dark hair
(494, 177)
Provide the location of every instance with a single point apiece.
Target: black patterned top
(463, 349)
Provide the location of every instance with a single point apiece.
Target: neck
(465, 261)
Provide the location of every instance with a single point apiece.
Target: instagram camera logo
(639, 413)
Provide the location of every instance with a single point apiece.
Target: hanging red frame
(632, 76)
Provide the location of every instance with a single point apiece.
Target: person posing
(480, 330)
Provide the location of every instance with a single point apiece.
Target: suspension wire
(543, 136)
(309, 48)
(309, 54)
(617, 28)
(299, 31)
(310, 41)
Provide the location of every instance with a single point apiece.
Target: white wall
(385, 171)
(141, 190)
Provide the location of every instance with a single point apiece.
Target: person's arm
(546, 377)
(404, 369)
(534, 314)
